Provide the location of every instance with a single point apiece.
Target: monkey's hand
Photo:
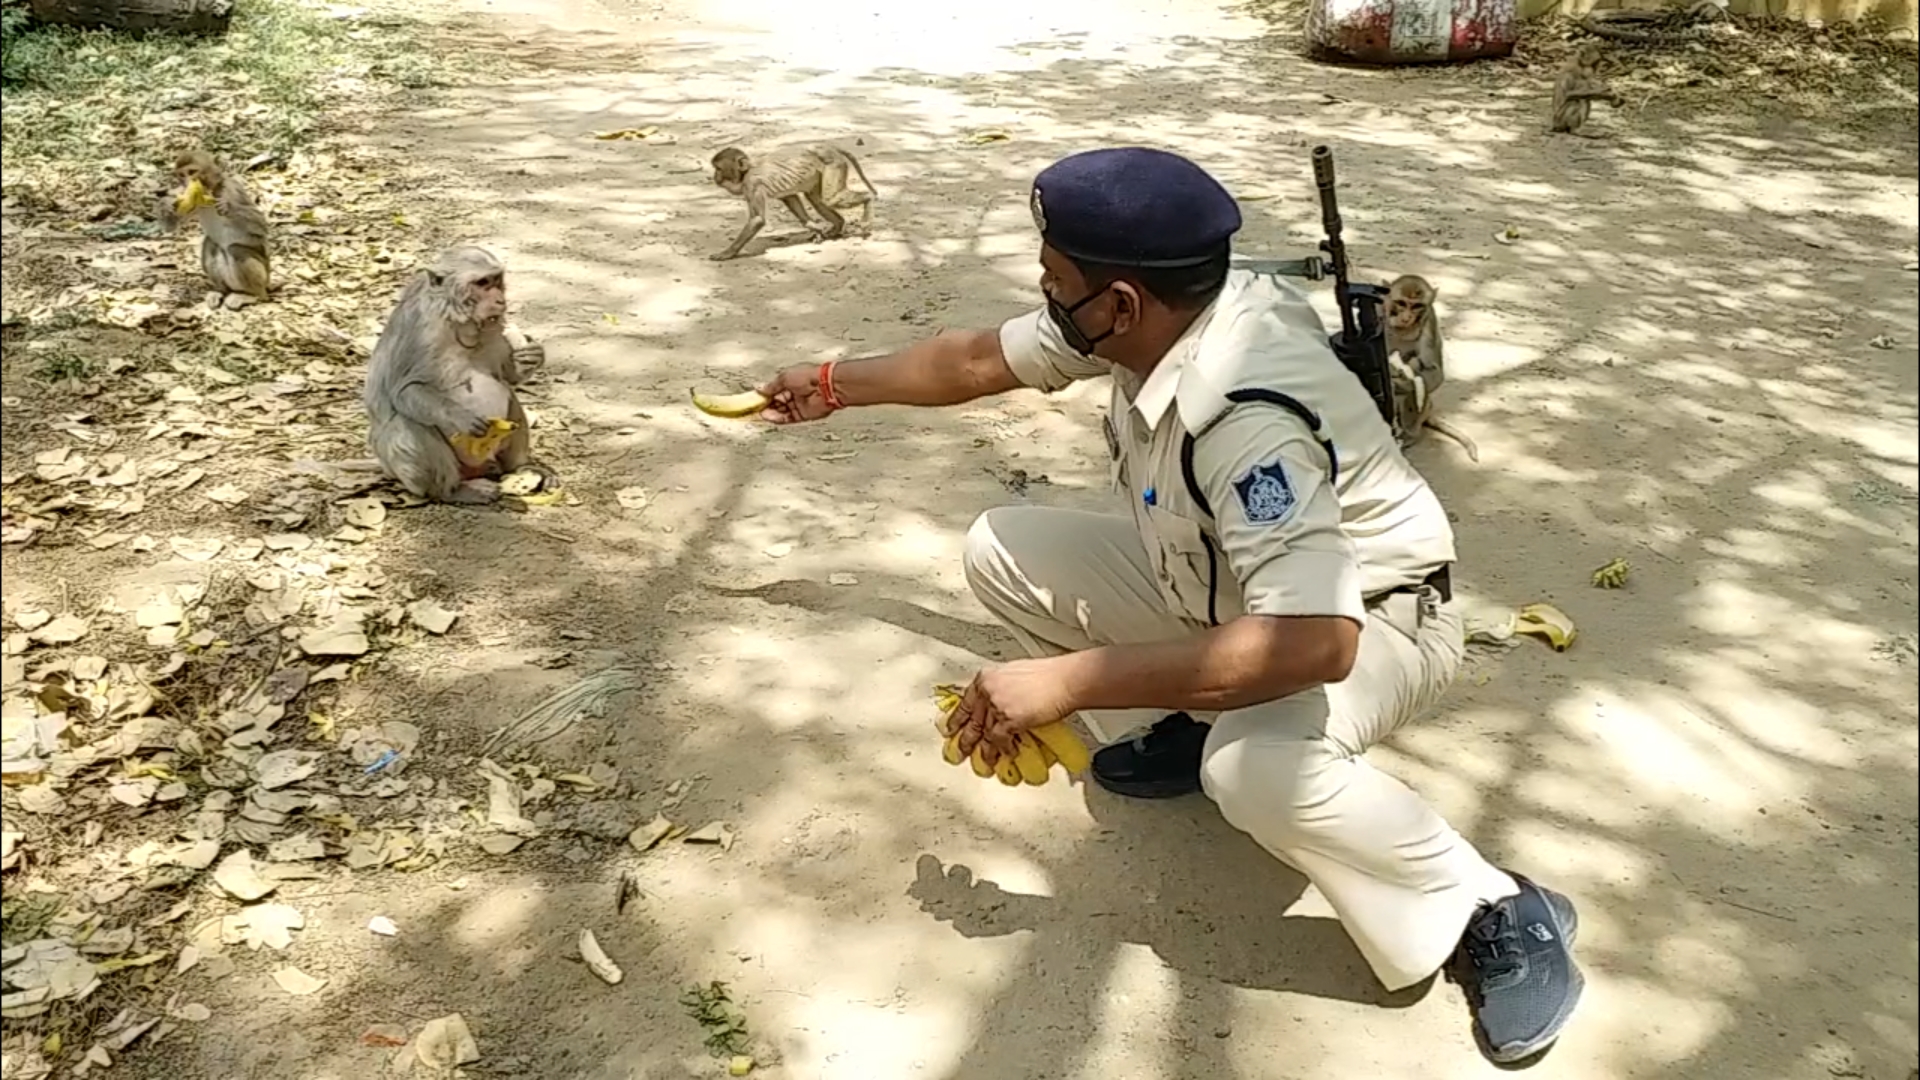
(476, 425)
(526, 352)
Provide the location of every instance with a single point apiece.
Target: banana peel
(1613, 575)
(1547, 623)
(474, 449)
(193, 198)
(730, 406)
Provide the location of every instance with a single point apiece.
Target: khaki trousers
(1287, 773)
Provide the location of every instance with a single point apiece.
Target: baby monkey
(233, 244)
(817, 173)
(1578, 88)
(1413, 350)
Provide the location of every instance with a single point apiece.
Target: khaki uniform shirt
(1291, 542)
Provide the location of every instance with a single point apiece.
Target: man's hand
(795, 396)
(1006, 699)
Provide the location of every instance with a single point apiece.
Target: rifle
(1361, 343)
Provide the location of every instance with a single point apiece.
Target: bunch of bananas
(1037, 751)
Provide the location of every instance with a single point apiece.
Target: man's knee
(985, 558)
(1274, 789)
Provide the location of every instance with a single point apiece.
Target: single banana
(1066, 745)
(979, 762)
(1007, 770)
(195, 197)
(730, 406)
(950, 750)
(1046, 754)
(474, 449)
(1033, 766)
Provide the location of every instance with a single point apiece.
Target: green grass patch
(267, 85)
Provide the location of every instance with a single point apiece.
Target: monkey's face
(1405, 312)
(486, 297)
(730, 170)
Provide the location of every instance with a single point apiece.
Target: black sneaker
(1160, 764)
(1516, 964)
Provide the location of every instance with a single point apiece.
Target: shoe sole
(1577, 986)
(1147, 789)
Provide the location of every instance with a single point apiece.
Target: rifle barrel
(1336, 247)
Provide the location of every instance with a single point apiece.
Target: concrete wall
(1896, 14)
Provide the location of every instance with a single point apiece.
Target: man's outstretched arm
(947, 369)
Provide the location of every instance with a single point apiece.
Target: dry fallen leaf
(500, 843)
(718, 832)
(430, 616)
(195, 550)
(297, 982)
(365, 513)
(648, 836)
(236, 874)
(64, 630)
(446, 1043)
(343, 639)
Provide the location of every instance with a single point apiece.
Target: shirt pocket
(1184, 563)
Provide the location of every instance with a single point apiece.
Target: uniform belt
(1440, 580)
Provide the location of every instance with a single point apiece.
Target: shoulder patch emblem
(1266, 495)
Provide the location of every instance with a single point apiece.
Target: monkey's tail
(1454, 433)
(862, 174)
(351, 465)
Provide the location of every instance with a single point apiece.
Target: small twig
(1756, 910)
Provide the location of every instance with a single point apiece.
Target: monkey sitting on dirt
(440, 385)
(1419, 368)
(233, 244)
(817, 173)
(1578, 87)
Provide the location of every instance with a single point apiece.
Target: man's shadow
(1171, 875)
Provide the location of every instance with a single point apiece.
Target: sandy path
(1672, 364)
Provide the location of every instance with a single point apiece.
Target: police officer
(1275, 599)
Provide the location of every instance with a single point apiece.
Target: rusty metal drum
(1412, 31)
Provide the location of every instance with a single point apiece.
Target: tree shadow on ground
(1669, 363)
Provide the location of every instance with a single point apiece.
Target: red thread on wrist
(827, 395)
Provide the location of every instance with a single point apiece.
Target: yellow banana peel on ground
(1547, 623)
(1543, 621)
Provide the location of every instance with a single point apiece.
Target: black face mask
(1076, 338)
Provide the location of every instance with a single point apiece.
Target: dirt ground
(1695, 350)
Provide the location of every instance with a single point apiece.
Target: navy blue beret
(1133, 206)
